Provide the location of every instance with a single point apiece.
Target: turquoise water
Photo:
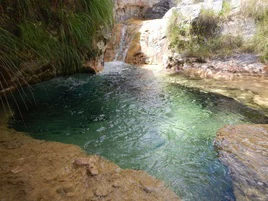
(139, 121)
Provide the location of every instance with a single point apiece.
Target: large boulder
(244, 149)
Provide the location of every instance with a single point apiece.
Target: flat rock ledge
(229, 68)
(37, 170)
(244, 149)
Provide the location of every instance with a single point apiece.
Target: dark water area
(138, 121)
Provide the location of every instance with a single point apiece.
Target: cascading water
(123, 47)
(141, 121)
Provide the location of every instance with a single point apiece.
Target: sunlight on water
(139, 121)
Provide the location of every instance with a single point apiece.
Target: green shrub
(195, 39)
(178, 32)
(206, 25)
(260, 41)
(259, 11)
(226, 10)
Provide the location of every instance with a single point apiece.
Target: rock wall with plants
(219, 39)
(219, 28)
(41, 39)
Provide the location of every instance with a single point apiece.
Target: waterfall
(122, 50)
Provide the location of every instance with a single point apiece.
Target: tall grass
(259, 44)
(199, 38)
(259, 11)
(60, 35)
(256, 9)
(61, 32)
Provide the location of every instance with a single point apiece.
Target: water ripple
(139, 121)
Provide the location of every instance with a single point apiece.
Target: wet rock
(244, 149)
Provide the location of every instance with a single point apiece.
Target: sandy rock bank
(37, 170)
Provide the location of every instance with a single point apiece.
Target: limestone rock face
(140, 9)
(144, 42)
(244, 149)
(242, 27)
(153, 41)
(234, 26)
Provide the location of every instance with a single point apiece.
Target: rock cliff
(154, 44)
(140, 9)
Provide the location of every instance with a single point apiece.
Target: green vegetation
(260, 41)
(200, 38)
(259, 11)
(226, 9)
(254, 8)
(61, 34)
(48, 38)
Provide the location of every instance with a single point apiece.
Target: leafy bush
(206, 25)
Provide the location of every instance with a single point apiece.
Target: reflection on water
(139, 121)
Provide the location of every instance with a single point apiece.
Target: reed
(60, 35)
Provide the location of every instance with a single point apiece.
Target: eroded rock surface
(140, 9)
(228, 68)
(33, 170)
(244, 149)
(144, 42)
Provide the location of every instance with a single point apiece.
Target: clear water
(140, 121)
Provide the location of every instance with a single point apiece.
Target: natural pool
(139, 121)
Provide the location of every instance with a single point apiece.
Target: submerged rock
(244, 149)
